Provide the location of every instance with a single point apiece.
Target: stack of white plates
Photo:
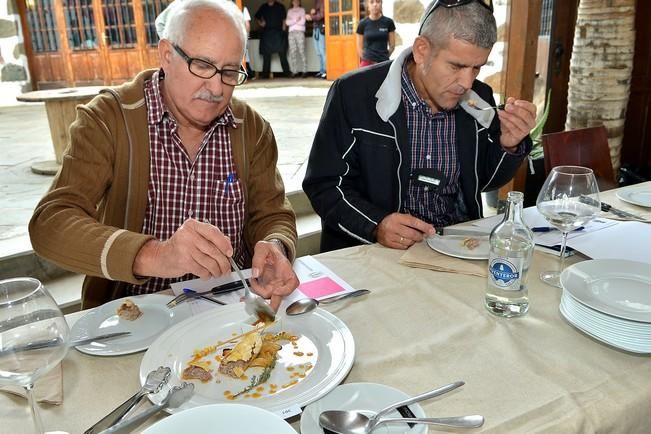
(611, 301)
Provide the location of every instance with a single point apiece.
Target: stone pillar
(600, 69)
(14, 75)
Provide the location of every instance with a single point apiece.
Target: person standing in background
(296, 25)
(316, 16)
(271, 18)
(376, 35)
(247, 24)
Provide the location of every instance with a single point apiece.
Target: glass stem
(33, 405)
(563, 246)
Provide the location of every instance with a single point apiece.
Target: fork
(153, 384)
(498, 107)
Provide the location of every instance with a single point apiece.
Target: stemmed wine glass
(569, 199)
(33, 336)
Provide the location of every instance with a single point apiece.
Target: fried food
(240, 357)
(471, 243)
(129, 311)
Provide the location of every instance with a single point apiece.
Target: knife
(463, 231)
(56, 341)
(618, 212)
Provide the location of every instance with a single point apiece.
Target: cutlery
(620, 213)
(463, 231)
(609, 208)
(305, 305)
(352, 422)
(153, 384)
(53, 342)
(195, 294)
(497, 107)
(219, 289)
(175, 398)
(253, 303)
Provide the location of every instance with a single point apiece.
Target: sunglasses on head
(488, 4)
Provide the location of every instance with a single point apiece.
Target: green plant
(536, 132)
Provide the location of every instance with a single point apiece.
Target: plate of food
(368, 398)
(636, 197)
(145, 316)
(460, 246)
(222, 419)
(232, 359)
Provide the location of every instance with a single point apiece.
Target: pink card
(320, 287)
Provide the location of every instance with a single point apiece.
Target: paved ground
(293, 107)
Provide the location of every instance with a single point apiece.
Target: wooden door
(89, 42)
(341, 19)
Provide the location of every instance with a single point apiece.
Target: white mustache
(206, 95)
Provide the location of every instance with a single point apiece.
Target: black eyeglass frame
(242, 75)
(488, 4)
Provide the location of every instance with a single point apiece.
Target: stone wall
(14, 75)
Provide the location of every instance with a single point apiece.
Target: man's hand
(273, 275)
(197, 248)
(401, 231)
(516, 120)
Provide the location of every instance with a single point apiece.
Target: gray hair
(176, 21)
(471, 23)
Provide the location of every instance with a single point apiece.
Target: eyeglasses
(203, 69)
(488, 4)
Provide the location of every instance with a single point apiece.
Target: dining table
(419, 329)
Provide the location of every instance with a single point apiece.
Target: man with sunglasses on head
(403, 146)
(167, 177)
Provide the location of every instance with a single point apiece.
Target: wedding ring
(402, 239)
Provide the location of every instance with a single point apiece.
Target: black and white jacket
(358, 168)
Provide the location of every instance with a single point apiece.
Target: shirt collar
(157, 109)
(411, 96)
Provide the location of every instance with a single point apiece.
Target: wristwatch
(280, 244)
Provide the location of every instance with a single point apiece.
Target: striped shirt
(433, 146)
(206, 189)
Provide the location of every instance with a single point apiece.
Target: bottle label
(505, 273)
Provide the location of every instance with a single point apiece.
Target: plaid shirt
(179, 188)
(433, 139)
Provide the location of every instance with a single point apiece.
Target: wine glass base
(552, 278)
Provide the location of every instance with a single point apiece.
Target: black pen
(550, 228)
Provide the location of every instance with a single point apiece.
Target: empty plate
(636, 197)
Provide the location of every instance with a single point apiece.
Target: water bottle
(511, 248)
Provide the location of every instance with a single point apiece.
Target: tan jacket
(90, 220)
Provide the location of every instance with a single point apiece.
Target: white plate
(452, 245)
(222, 419)
(636, 197)
(599, 335)
(369, 398)
(324, 340)
(156, 318)
(616, 287)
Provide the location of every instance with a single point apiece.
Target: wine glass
(33, 336)
(569, 199)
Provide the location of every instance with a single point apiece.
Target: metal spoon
(350, 422)
(353, 422)
(306, 305)
(153, 384)
(253, 303)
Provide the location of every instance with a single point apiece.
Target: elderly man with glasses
(407, 146)
(167, 177)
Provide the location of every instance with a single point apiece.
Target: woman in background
(296, 25)
(376, 35)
